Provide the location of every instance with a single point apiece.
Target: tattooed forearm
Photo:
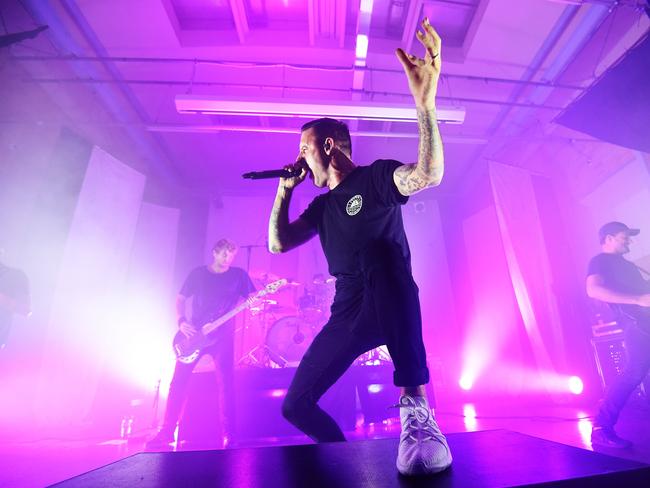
(430, 154)
(428, 171)
(279, 220)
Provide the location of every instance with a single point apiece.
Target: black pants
(379, 307)
(637, 345)
(223, 356)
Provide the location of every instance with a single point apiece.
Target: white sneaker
(422, 449)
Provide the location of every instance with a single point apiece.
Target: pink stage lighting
(469, 417)
(465, 382)
(575, 385)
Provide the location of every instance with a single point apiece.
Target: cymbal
(263, 276)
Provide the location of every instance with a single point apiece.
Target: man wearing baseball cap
(613, 279)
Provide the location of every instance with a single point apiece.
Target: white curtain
(92, 273)
(528, 264)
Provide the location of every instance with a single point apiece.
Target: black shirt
(618, 274)
(363, 208)
(214, 294)
(15, 285)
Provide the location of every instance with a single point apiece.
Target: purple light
(375, 388)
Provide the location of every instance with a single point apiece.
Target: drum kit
(286, 324)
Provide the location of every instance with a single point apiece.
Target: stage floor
(39, 462)
(492, 458)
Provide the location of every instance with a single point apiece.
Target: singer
(359, 223)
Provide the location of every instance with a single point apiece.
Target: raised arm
(285, 235)
(423, 76)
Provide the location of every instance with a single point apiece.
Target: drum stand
(263, 357)
(374, 357)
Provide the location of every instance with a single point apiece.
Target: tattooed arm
(423, 76)
(285, 235)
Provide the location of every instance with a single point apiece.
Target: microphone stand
(249, 249)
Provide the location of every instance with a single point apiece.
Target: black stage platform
(486, 459)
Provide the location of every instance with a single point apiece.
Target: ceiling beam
(341, 18)
(238, 10)
(311, 16)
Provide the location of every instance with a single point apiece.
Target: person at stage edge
(613, 279)
(359, 223)
(215, 289)
(14, 297)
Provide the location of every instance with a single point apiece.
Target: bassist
(214, 289)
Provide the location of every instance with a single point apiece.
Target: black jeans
(223, 356)
(379, 307)
(637, 345)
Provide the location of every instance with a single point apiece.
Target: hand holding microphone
(298, 172)
(290, 176)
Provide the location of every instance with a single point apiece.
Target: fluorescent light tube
(206, 104)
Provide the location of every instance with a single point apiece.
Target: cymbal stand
(259, 355)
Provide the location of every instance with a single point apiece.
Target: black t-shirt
(363, 208)
(618, 274)
(214, 294)
(15, 285)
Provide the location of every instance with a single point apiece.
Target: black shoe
(161, 441)
(606, 437)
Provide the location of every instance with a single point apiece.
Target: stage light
(584, 428)
(278, 393)
(469, 417)
(362, 46)
(466, 382)
(469, 410)
(575, 385)
(366, 6)
(213, 105)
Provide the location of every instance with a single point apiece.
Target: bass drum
(288, 339)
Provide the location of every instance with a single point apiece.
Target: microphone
(276, 173)
(270, 173)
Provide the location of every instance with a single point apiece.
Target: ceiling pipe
(583, 33)
(44, 13)
(123, 59)
(285, 88)
(543, 52)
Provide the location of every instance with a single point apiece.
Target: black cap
(613, 228)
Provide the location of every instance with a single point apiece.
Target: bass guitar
(188, 349)
(637, 315)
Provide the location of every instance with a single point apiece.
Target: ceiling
(512, 65)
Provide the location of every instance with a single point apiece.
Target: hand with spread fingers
(423, 74)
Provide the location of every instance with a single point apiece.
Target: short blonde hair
(224, 244)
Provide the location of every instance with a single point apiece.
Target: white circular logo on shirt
(354, 204)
